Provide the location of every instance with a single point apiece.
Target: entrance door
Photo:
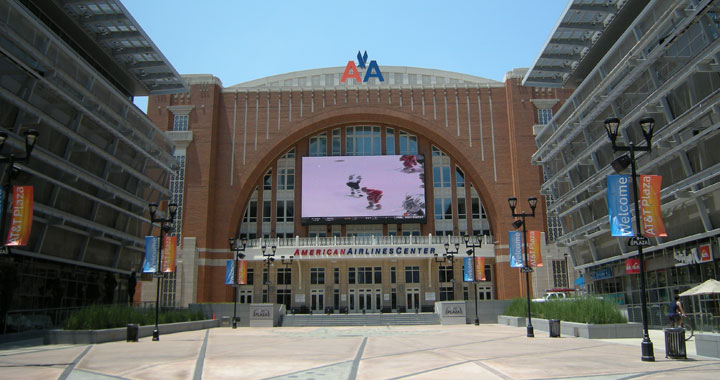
(317, 300)
(413, 299)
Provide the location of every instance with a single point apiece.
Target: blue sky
(238, 41)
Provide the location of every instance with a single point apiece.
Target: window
(560, 274)
(378, 275)
(267, 181)
(393, 298)
(475, 208)
(488, 272)
(443, 208)
(412, 274)
(446, 293)
(389, 141)
(267, 211)
(441, 176)
(336, 142)
(284, 276)
(445, 273)
(180, 123)
(544, 115)
(318, 145)
(351, 275)
(283, 297)
(250, 276)
(408, 143)
(251, 212)
(393, 275)
(265, 277)
(462, 213)
(317, 276)
(459, 178)
(284, 211)
(363, 141)
(336, 299)
(286, 179)
(484, 293)
(245, 296)
(336, 276)
(364, 275)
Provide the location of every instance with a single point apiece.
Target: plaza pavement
(395, 352)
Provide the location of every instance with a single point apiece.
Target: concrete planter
(707, 345)
(120, 333)
(581, 330)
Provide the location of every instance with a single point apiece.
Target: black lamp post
(166, 225)
(449, 256)
(238, 256)
(475, 242)
(11, 171)
(639, 240)
(512, 202)
(269, 259)
(286, 263)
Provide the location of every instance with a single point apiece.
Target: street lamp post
(166, 225)
(286, 262)
(476, 242)
(512, 202)
(11, 171)
(639, 240)
(449, 256)
(238, 251)
(269, 259)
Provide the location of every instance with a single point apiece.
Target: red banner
(242, 272)
(533, 247)
(632, 266)
(704, 253)
(650, 205)
(22, 213)
(169, 254)
(480, 269)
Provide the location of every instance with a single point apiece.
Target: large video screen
(363, 189)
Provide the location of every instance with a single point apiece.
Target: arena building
(247, 152)
(69, 70)
(631, 60)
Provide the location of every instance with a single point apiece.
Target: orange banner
(242, 272)
(22, 213)
(480, 269)
(650, 205)
(169, 254)
(533, 244)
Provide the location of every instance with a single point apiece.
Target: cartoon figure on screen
(354, 185)
(413, 206)
(373, 197)
(409, 163)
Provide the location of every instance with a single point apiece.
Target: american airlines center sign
(372, 70)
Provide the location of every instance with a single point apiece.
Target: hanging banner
(704, 253)
(22, 213)
(242, 272)
(169, 258)
(650, 205)
(515, 247)
(468, 274)
(151, 254)
(229, 272)
(480, 268)
(632, 266)
(618, 199)
(534, 248)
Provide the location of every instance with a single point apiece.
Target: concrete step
(361, 319)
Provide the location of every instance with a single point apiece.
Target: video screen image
(363, 189)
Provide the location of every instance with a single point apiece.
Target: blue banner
(618, 199)
(601, 274)
(515, 246)
(152, 244)
(229, 272)
(468, 273)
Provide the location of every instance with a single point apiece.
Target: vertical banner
(515, 247)
(650, 205)
(705, 254)
(480, 268)
(229, 272)
(22, 213)
(534, 248)
(468, 274)
(632, 266)
(151, 252)
(169, 258)
(618, 199)
(242, 272)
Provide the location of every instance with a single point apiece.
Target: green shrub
(97, 317)
(583, 310)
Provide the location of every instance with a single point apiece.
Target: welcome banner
(229, 272)
(618, 199)
(650, 205)
(480, 268)
(22, 213)
(242, 272)
(151, 254)
(468, 266)
(632, 266)
(534, 250)
(515, 248)
(169, 254)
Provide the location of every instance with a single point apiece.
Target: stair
(387, 319)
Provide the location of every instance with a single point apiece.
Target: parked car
(552, 296)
